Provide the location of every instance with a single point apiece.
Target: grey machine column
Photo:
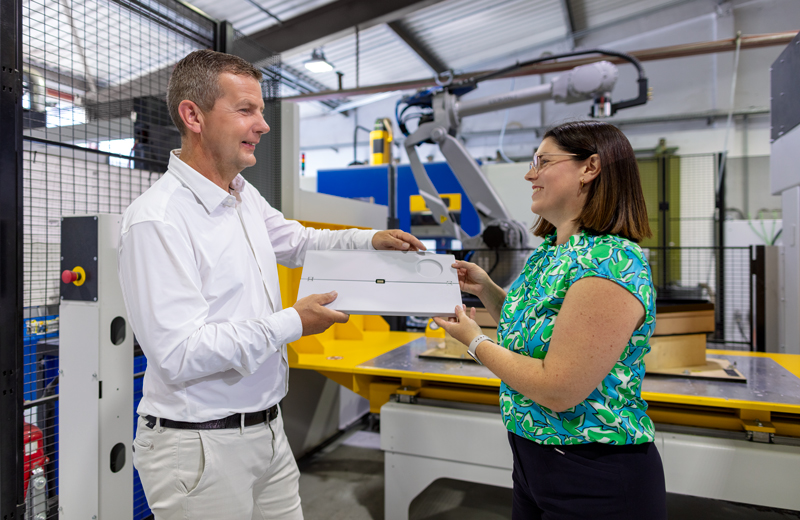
(95, 417)
(785, 181)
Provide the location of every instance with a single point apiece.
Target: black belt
(232, 421)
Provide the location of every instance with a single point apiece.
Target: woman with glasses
(573, 331)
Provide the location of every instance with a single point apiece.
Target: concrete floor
(345, 481)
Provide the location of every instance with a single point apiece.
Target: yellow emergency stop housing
(380, 141)
(423, 222)
(451, 200)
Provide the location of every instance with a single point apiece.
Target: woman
(571, 386)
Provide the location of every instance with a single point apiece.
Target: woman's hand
(471, 278)
(462, 327)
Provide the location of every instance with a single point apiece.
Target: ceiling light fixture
(318, 63)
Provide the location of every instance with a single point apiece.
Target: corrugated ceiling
(463, 34)
(247, 17)
(594, 13)
(466, 32)
(383, 57)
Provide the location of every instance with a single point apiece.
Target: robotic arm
(440, 119)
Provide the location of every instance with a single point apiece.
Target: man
(197, 265)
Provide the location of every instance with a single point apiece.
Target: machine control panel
(79, 258)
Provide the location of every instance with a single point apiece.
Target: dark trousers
(596, 481)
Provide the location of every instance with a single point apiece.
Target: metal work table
(423, 443)
(773, 381)
(702, 426)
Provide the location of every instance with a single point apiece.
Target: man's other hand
(396, 240)
(314, 316)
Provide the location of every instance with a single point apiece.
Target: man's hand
(314, 316)
(396, 240)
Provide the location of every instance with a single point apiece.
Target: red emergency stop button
(75, 276)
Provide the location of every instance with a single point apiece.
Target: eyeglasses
(537, 163)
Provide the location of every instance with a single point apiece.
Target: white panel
(425, 443)
(789, 342)
(319, 207)
(78, 417)
(290, 154)
(387, 283)
(115, 369)
(725, 469)
(784, 162)
(90, 425)
(508, 181)
(426, 431)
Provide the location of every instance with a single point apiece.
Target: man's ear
(191, 115)
(592, 169)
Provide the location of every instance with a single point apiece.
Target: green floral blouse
(614, 413)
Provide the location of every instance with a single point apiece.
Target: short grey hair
(196, 78)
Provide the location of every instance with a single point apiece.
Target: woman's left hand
(462, 327)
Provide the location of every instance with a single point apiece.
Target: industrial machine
(785, 181)
(440, 111)
(423, 224)
(95, 368)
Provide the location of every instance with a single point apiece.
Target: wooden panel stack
(679, 340)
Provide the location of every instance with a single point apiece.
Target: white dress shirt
(197, 265)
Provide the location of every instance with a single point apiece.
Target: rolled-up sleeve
(161, 287)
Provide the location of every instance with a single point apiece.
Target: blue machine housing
(373, 181)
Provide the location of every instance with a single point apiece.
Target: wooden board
(676, 352)
(712, 369)
(668, 320)
(484, 319)
(446, 348)
(691, 322)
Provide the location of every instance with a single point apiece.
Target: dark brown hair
(196, 78)
(615, 202)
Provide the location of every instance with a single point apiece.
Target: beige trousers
(236, 473)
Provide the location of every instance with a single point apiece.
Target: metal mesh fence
(96, 135)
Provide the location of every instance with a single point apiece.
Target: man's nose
(262, 127)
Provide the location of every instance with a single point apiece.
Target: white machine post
(95, 375)
(785, 181)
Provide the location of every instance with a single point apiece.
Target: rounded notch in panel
(118, 330)
(429, 268)
(117, 459)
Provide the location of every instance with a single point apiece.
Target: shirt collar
(575, 240)
(208, 193)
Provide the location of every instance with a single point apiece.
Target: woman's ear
(591, 169)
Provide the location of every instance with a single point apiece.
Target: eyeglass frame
(537, 157)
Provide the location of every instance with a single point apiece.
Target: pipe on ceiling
(659, 53)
